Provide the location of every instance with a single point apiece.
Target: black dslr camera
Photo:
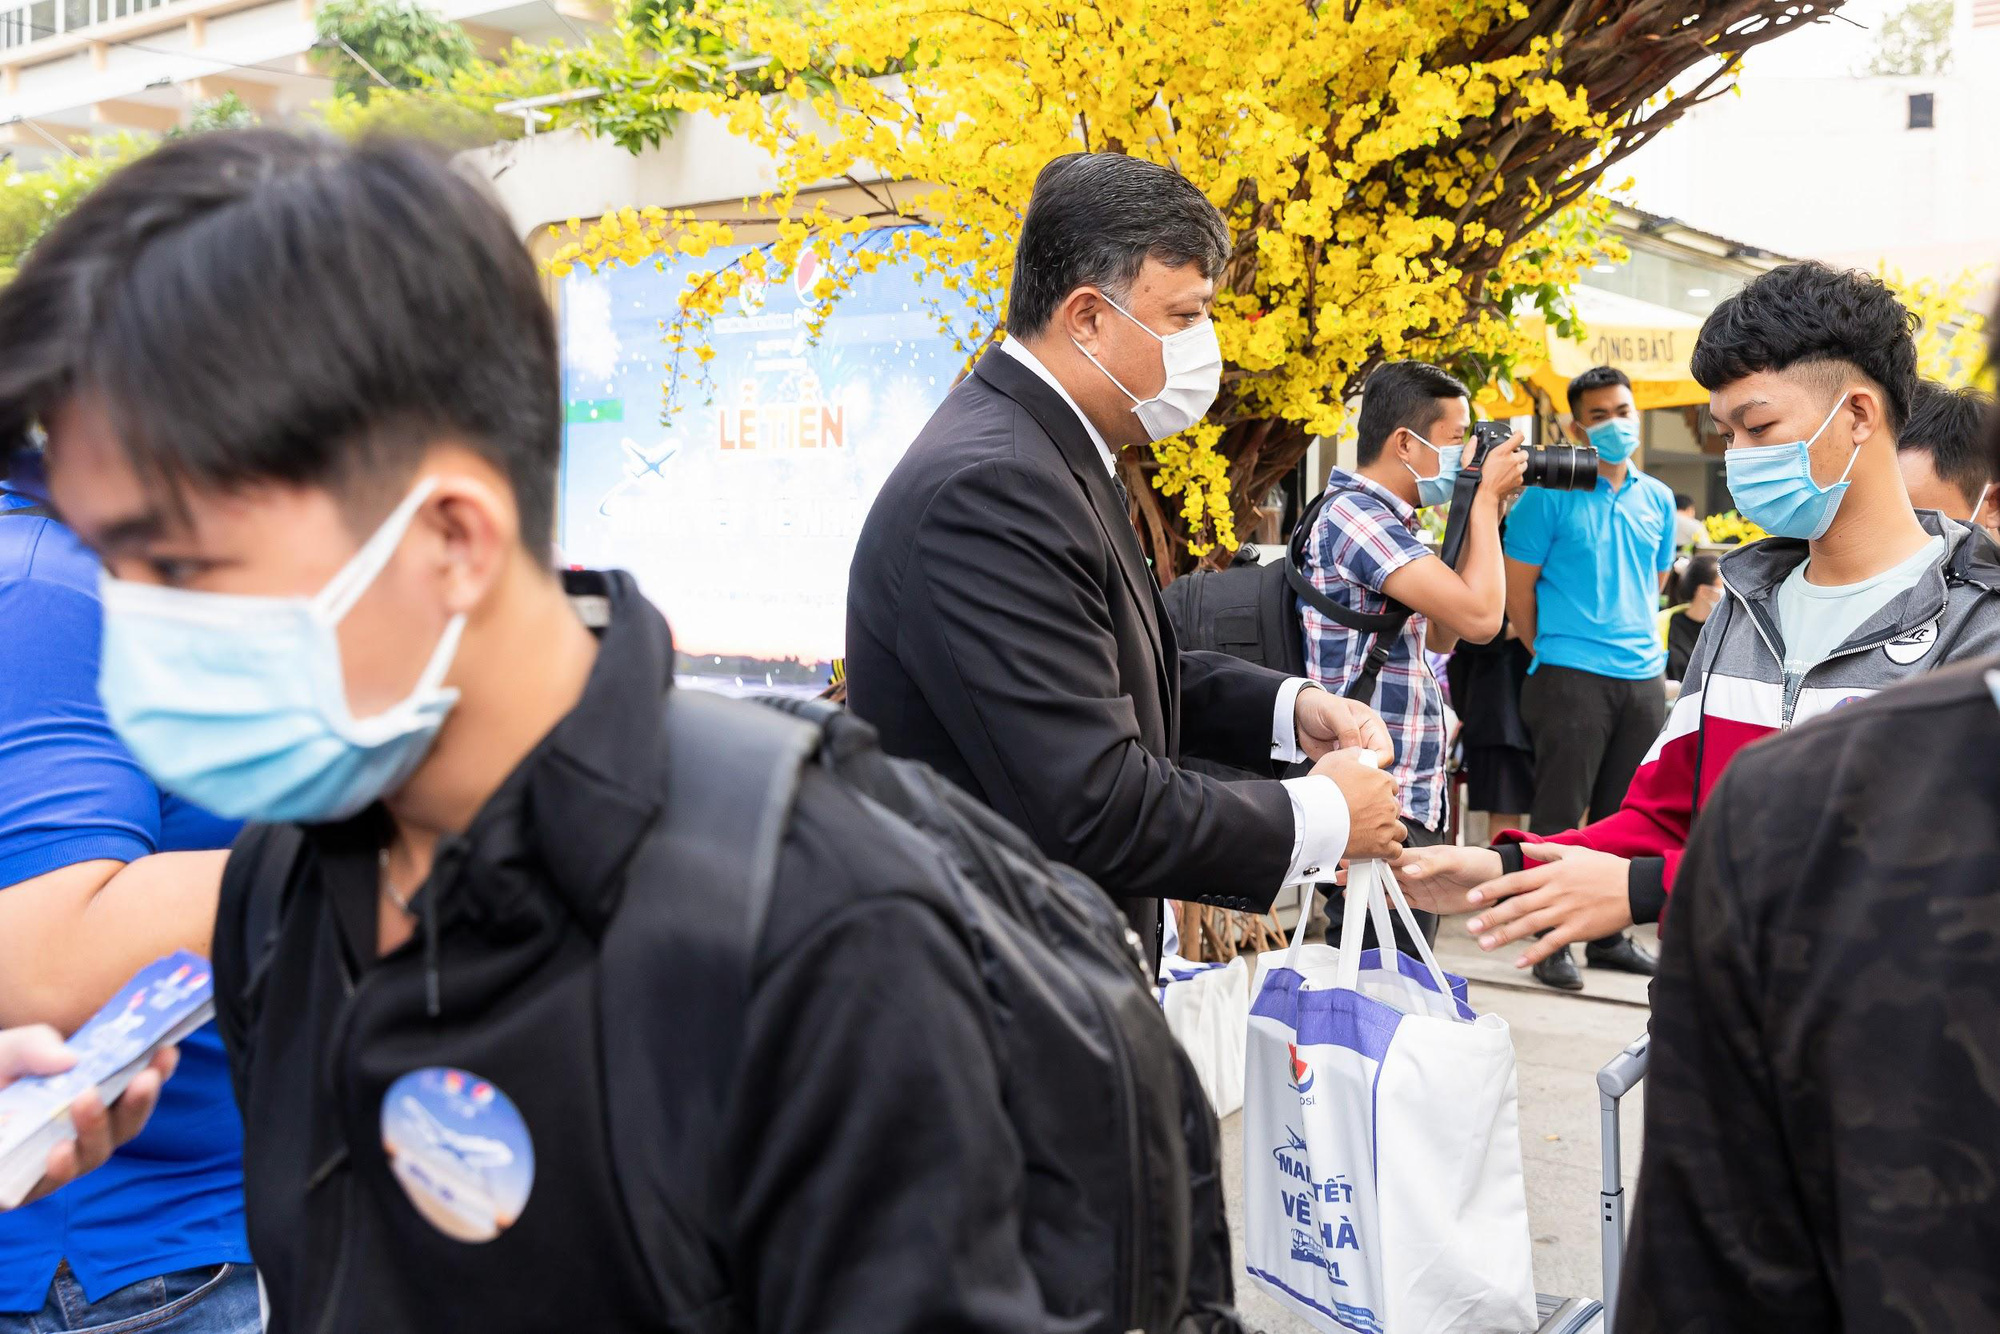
(1556, 467)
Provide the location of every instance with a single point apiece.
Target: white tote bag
(1208, 1009)
(1382, 1146)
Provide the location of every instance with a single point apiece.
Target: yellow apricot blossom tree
(1402, 178)
(1951, 323)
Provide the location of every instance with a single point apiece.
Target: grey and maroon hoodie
(1737, 691)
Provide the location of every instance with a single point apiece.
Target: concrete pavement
(1560, 1041)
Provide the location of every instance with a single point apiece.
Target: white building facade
(70, 69)
(1812, 158)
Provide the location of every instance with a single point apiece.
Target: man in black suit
(1004, 627)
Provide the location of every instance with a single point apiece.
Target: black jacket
(1682, 632)
(1004, 628)
(870, 1172)
(1823, 1107)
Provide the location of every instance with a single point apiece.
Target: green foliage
(400, 40)
(444, 92)
(227, 112)
(1916, 39)
(456, 111)
(32, 202)
(658, 13)
(651, 61)
(416, 115)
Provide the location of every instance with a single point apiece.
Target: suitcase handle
(1619, 1077)
(1624, 1071)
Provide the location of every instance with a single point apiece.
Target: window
(1666, 280)
(1921, 112)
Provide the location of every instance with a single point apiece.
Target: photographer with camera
(1584, 573)
(1363, 552)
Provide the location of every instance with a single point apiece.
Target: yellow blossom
(1329, 135)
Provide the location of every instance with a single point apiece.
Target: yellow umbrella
(1650, 343)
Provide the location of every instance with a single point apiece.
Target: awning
(1650, 343)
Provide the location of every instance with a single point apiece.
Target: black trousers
(1590, 732)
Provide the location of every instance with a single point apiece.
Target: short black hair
(261, 306)
(1701, 571)
(1809, 314)
(1597, 377)
(1093, 221)
(1683, 501)
(1950, 426)
(1401, 395)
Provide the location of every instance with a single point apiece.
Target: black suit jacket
(1004, 628)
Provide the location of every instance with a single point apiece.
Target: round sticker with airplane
(460, 1150)
(1914, 645)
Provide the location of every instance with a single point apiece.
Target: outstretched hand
(1566, 894)
(1445, 880)
(39, 1050)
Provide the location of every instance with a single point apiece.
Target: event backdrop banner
(738, 514)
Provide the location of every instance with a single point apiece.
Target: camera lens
(1562, 468)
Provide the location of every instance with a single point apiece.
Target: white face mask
(1193, 362)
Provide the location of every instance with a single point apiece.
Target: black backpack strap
(257, 887)
(732, 772)
(258, 875)
(1384, 625)
(701, 881)
(1362, 687)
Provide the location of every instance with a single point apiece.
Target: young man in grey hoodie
(1810, 373)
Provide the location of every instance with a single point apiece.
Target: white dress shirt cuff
(1285, 722)
(1319, 828)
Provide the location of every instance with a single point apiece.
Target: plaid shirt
(1365, 534)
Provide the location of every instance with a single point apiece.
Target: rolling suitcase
(1581, 1315)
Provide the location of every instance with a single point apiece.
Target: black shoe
(1622, 954)
(1559, 971)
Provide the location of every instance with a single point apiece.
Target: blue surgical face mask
(239, 704)
(1436, 489)
(1615, 438)
(1773, 485)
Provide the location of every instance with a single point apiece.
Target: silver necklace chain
(401, 901)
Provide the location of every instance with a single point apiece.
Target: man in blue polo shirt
(1584, 572)
(100, 874)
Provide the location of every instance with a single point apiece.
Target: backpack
(1251, 611)
(1082, 1042)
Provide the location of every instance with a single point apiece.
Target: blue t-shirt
(1601, 552)
(173, 1198)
